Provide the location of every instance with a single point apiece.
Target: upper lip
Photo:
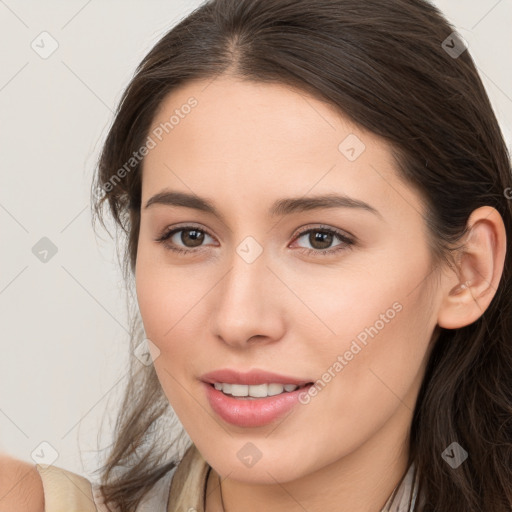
(252, 377)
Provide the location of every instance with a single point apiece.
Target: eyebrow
(280, 207)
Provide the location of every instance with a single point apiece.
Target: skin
(244, 146)
(21, 488)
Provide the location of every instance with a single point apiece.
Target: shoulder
(25, 487)
(65, 491)
(21, 488)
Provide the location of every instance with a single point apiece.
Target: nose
(247, 306)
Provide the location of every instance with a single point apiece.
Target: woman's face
(256, 288)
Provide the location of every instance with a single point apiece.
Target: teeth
(255, 391)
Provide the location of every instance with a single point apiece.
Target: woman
(368, 370)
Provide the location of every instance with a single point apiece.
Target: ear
(480, 267)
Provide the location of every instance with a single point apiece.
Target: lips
(252, 377)
(248, 413)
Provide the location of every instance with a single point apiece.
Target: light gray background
(64, 322)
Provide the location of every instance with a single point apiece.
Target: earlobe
(480, 269)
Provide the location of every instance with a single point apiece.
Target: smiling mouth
(256, 392)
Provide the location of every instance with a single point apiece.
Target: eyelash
(347, 242)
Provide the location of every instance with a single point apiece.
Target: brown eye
(321, 239)
(192, 237)
(185, 239)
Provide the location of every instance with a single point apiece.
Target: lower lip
(252, 413)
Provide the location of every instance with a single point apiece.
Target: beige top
(180, 490)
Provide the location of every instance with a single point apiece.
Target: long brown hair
(395, 68)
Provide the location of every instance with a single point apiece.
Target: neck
(361, 481)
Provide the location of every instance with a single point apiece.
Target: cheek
(171, 301)
(153, 299)
(373, 328)
(165, 293)
(384, 375)
(163, 312)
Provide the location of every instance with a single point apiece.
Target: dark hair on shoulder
(383, 64)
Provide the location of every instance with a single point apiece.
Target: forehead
(214, 137)
(278, 121)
